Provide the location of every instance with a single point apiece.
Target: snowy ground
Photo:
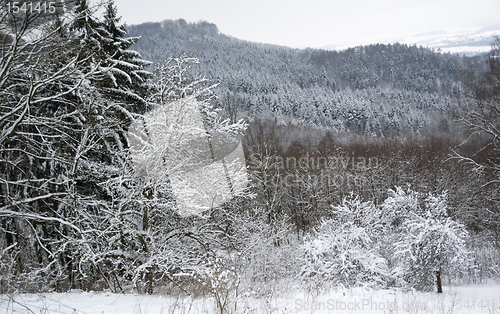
(461, 299)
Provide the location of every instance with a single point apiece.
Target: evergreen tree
(127, 76)
(124, 75)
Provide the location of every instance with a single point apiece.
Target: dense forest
(376, 166)
(377, 90)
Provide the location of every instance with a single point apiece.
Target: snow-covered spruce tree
(127, 78)
(124, 78)
(108, 102)
(111, 99)
(344, 250)
(431, 244)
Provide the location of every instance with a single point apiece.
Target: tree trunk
(438, 281)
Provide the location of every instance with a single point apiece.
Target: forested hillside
(378, 90)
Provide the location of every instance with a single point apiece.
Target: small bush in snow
(344, 250)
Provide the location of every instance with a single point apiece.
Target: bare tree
(481, 115)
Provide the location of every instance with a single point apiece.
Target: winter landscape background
(371, 179)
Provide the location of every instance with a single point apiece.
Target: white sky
(316, 23)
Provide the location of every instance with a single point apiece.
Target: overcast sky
(316, 23)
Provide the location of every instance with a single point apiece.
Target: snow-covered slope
(461, 41)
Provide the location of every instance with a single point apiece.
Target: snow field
(455, 299)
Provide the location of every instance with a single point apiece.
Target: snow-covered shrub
(394, 211)
(486, 258)
(221, 282)
(399, 206)
(267, 260)
(344, 250)
(431, 244)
